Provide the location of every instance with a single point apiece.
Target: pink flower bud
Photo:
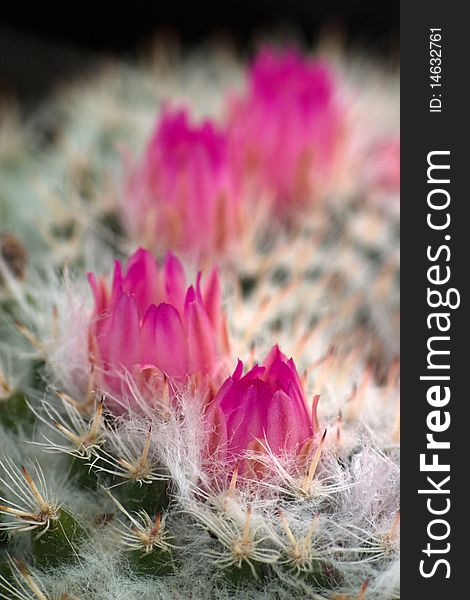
(182, 194)
(284, 132)
(266, 404)
(149, 326)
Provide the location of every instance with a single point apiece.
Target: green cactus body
(151, 497)
(237, 576)
(4, 540)
(82, 474)
(5, 570)
(58, 543)
(15, 413)
(155, 563)
(321, 576)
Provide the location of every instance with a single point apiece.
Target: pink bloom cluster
(186, 193)
(285, 131)
(182, 195)
(148, 329)
(266, 407)
(189, 191)
(149, 326)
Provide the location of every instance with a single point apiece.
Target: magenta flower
(267, 404)
(150, 327)
(183, 195)
(285, 131)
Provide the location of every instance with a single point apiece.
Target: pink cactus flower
(285, 131)
(182, 195)
(265, 405)
(149, 326)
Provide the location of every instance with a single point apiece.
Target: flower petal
(287, 426)
(171, 352)
(212, 298)
(247, 419)
(143, 279)
(100, 292)
(120, 344)
(202, 350)
(175, 281)
(148, 342)
(116, 289)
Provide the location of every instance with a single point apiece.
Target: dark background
(41, 48)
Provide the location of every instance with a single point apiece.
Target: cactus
(157, 440)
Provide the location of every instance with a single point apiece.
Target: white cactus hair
(325, 288)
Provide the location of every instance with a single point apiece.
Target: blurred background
(39, 49)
